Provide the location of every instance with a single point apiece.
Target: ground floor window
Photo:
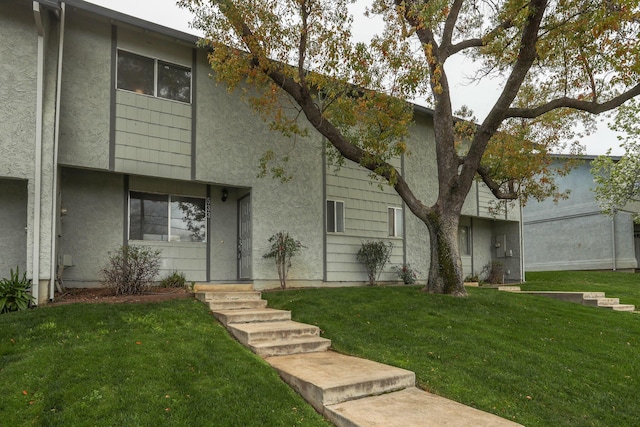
(163, 217)
(395, 222)
(335, 216)
(464, 236)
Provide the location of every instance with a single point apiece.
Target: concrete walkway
(349, 391)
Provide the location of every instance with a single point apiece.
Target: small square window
(395, 222)
(335, 216)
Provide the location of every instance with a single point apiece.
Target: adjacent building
(574, 234)
(114, 133)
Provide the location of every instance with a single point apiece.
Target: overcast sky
(478, 97)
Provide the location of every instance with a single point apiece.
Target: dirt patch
(107, 295)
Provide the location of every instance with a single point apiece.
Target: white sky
(478, 97)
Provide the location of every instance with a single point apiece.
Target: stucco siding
(93, 226)
(85, 91)
(18, 41)
(13, 226)
(230, 140)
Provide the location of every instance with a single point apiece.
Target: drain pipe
(37, 182)
(56, 141)
(613, 238)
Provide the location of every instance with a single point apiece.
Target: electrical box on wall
(501, 245)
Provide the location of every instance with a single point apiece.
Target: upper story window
(395, 222)
(335, 216)
(154, 77)
(163, 217)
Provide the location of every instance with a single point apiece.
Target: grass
(162, 364)
(534, 360)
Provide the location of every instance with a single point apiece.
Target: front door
(244, 238)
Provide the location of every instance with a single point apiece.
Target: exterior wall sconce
(225, 194)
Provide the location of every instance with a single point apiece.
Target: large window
(335, 216)
(395, 222)
(149, 76)
(166, 218)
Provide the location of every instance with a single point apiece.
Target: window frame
(395, 228)
(156, 70)
(169, 199)
(333, 213)
(465, 250)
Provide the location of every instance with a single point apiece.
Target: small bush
(176, 279)
(407, 274)
(374, 255)
(15, 292)
(283, 248)
(131, 270)
(494, 271)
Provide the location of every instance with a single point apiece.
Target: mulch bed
(107, 295)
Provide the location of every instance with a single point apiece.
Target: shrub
(283, 248)
(406, 273)
(374, 255)
(15, 292)
(494, 271)
(131, 270)
(176, 279)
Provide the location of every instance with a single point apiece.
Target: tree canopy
(560, 61)
(618, 180)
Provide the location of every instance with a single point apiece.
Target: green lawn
(163, 364)
(537, 361)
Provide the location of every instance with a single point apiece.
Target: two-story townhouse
(116, 134)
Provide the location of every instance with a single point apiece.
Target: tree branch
(494, 187)
(576, 104)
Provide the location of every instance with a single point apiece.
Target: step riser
(237, 305)
(319, 398)
(233, 287)
(285, 349)
(601, 302)
(229, 319)
(276, 335)
(230, 296)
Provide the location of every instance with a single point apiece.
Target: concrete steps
(279, 337)
(349, 391)
(592, 299)
(328, 378)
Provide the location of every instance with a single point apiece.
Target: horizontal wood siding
(365, 218)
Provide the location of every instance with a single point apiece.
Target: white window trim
(155, 76)
(335, 216)
(397, 213)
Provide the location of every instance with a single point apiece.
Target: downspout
(56, 138)
(522, 272)
(35, 281)
(613, 239)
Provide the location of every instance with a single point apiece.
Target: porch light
(225, 194)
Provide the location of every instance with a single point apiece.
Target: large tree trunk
(445, 271)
